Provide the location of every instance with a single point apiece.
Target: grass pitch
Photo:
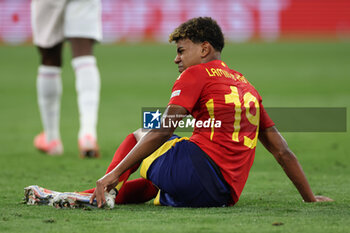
(136, 76)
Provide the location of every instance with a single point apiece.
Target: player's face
(188, 54)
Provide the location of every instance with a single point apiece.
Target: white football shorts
(55, 20)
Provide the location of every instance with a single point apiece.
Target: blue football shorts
(185, 176)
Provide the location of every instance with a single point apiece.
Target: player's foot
(88, 147)
(81, 200)
(35, 195)
(54, 147)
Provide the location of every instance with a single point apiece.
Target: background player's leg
(51, 56)
(88, 91)
(49, 91)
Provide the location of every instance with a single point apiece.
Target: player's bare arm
(150, 142)
(277, 145)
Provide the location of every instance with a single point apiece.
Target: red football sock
(124, 148)
(88, 191)
(136, 191)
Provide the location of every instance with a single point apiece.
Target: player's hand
(105, 184)
(100, 199)
(323, 199)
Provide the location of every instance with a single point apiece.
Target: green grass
(135, 76)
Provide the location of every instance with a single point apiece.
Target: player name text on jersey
(217, 72)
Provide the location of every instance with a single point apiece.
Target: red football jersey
(233, 106)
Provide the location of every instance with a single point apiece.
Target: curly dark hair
(199, 30)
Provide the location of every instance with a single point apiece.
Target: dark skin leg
(51, 56)
(81, 46)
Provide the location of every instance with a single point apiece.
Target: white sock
(49, 90)
(88, 90)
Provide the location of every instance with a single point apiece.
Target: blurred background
(295, 52)
(241, 20)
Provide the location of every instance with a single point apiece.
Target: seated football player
(211, 167)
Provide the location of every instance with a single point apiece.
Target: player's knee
(139, 133)
(51, 56)
(81, 46)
